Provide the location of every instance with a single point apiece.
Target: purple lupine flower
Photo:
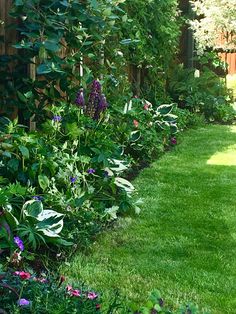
(93, 101)
(38, 198)
(91, 171)
(73, 179)
(103, 102)
(92, 295)
(96, 86)
(23, 302)
(57, 118)
(80, 98)
(19, 243)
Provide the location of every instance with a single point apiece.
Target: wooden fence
(227, 51)
(230, 59)
(8, 35)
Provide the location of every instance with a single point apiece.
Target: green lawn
(184, 241)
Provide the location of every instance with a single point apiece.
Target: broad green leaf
(6, 154)
(60, 241)
(19, 2)
(43, 181)
(11, 219)
(24, 151)
(21, 97)
(51, 45)
(44, 69)
(13, 164)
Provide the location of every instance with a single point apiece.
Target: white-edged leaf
(32, 208)
(112, 212)
(124, 184)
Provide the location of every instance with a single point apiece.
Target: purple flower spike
(91, 171)
(96, 87)
(103, 103)
(73, 179)
(19, 243)
(80, 98)
(23, 302)
(57, 118)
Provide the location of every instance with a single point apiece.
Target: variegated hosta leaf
(112, 212)
(118, 165)
(32, 208)
(50, 223)
(124, 184)
(164, 109)
(135, 136)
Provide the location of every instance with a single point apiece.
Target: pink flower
(23, 275)
(69, 288)
(146, 106)
(75, 293)
(136, 123)
(92, 295)
(23, 302)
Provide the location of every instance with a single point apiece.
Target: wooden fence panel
(227, 51)
(9, 34)
(230, 59)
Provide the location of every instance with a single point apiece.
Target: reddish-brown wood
(230, 59)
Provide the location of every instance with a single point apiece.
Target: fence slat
(2, 26)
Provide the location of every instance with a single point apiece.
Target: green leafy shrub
(75, 164)
(187, 119)
(205, 93)
(145, 130)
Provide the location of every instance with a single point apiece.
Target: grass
(231, 83)
(184, 241)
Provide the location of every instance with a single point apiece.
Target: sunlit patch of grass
(225, 158)
(231, 83)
